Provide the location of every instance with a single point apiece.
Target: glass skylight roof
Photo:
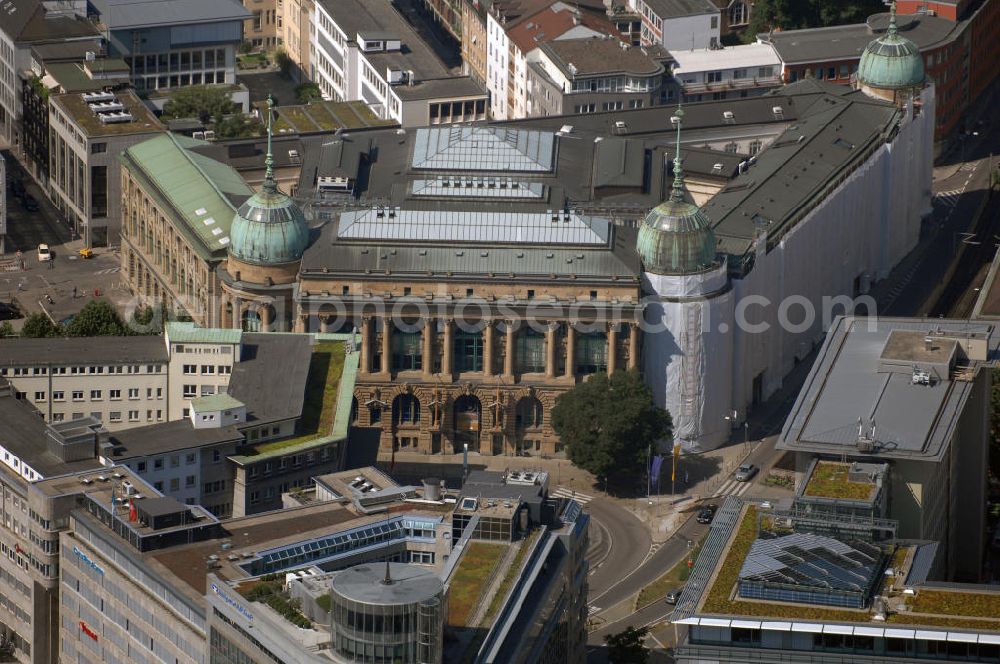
(555, 227)
(483, 149)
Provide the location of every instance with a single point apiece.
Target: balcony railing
(731, 84)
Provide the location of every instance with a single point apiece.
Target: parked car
(30, 204)
(707, 513)
(9, 311)
(746, 472)
(673, 596)
(43, 253)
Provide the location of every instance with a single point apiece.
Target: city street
(30, 282)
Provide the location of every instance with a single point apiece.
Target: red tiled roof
(550, 23)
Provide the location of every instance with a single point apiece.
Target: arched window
(529, 414)
(738, 13)
(405, 410)
(250, 321)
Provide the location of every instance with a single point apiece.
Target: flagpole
(649, 471)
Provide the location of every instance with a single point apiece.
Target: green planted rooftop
(326, 407)
(469, 580)
(832, 480)
(319, 116)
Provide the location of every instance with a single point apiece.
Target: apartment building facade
(679, 23)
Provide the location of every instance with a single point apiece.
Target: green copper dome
(676, 236)
(269, 228)
(891, 62)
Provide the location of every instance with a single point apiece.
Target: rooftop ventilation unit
(115, 118)
(566, 129)
(106, 106)
(921, 377)
(200, 135)
(718, 167)
(674, 119)
(95, 97)
(209, 135)
(294, 156)
(778, 112)
(620, 125)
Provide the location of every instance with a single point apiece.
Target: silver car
(746, 472)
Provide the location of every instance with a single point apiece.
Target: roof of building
(463, 148)
(433, 78)
(269, 228)
(133, 14)
(64, 51)
(89, 121)
(594, 56)
(221, 401)
(165, 437)
(387, 584)
(668, 9)
(83, 351)
(323, 116)
(806, 560)
(834, 129)
(901, 417)
(23, 434)
(190, 333)
(29, 21)
(847, 42)
(203, 192)
(271, 375)
(729, 57)
(843, 481)
(555, 22)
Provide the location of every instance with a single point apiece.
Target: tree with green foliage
(308, 92)
(199, 101)
(608, 424)
(627, 647)
(283, 60)
(97, 319)
(38, 325)
(7, 330)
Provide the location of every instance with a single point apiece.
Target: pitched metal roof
(556, 227)
(82, 351)
(186, 332)
(130, 14)
(202, 191)
(483, 149)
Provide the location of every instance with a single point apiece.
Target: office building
(800, 588)
(914, 394)
(723, 73)
(23, 24)
(593, 75)
(87, 133)
(174, 45)
(261, 29)
(692, 24)
(369, 51)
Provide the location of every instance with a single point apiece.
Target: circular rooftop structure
(268, 229)
(891, 62)
(366, 584)
(676, 238)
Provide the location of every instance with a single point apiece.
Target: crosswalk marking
(562, 492)
(732, 488)
(110, 270)
(970, 166)
(591, 610)
(948, 198)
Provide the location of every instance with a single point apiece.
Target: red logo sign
(86, 630)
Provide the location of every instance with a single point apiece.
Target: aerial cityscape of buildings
(300, 301)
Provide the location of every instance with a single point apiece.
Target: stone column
(366, 349)
(570, 348)
(324, 324)
(612, 348)
(265, 317)
(226, 314)
(446, 351)
(301, 323)
(488, 349)
(508, 358)
(427, 353)
(386, 345)
(550, 350)
(633, 346)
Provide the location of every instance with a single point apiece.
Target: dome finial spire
(892, 19)
(677, 194)
(269, 184)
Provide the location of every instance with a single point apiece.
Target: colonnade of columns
(430, 335)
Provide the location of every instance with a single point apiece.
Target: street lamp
(733, 422)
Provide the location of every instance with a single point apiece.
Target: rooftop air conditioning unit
(209, 135)
(674, 119)
(200, 135)
(728, 115)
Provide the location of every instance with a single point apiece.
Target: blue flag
(654, 471)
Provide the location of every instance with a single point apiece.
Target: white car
(43, 253)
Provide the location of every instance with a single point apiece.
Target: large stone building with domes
(487, 269)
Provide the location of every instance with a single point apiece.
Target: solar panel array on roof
(556, 227)
(484, 149)
(466, 187)
(804, 567)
